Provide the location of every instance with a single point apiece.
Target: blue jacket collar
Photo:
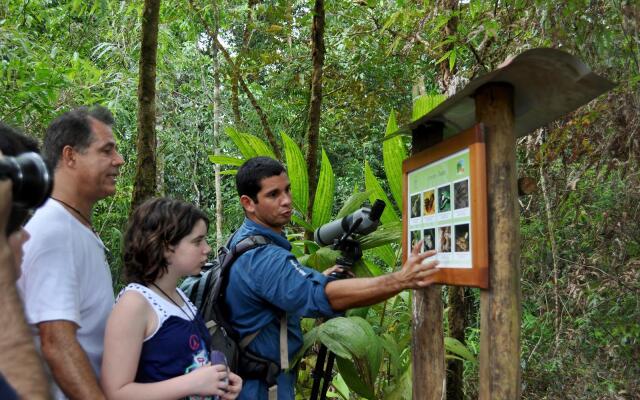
(250, 228)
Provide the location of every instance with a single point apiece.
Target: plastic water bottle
(217, 358)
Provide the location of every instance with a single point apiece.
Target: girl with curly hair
(155, 342)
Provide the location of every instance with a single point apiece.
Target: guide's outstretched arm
(359, 292)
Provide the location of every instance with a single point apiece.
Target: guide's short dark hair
(72, 128)
(13, 143)
(154, 225)
(253, 171)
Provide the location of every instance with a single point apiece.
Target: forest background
(332, 92)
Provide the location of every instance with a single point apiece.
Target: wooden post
(500, 304)
(427, 339)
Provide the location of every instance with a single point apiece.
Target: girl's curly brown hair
(154, 226)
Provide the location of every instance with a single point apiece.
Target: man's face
(273, 208)
(98, 165)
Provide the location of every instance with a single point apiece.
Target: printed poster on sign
(439, 211)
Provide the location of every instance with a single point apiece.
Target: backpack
(207, 292)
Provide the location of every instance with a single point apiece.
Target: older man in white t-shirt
(66, 282)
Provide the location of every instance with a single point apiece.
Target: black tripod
(351, 252)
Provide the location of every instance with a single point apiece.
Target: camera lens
(32, 181)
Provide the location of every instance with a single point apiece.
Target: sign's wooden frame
(473, 139)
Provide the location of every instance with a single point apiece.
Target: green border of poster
(432, 193)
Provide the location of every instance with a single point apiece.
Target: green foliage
(249, 145)
(297, 170)
(353, 203)
(55, 55)
(323, 202)
(226, 160)
(377, 193)
(424, 104)
(357, 348)
(394, 153)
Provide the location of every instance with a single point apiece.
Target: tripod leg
(327, 376)
(318, 371)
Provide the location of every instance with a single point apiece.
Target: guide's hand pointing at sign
(418, 271)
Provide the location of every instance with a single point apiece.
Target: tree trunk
(548, 207)
(315, 105)
(145, 177)
(500, 304)
(216, 132)
(235, 102)
(450, 29)
(427, 339)
(235, 73)
(263, 118)
(457, 324)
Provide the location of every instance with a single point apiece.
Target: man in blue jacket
(268, 282)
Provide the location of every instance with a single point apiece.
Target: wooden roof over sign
(548, 84)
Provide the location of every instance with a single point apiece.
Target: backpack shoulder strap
(249, 243)
(246, 244)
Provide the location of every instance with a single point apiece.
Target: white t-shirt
(65, 276)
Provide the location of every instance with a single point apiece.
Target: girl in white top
(156, 346)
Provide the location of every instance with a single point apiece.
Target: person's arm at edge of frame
(344, 294)
(20, 363)
(68, 361)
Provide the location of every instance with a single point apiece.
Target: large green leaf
(353, 203)
(249, 145)
(341, 386)
(226, 160)
(260, 147)
(366, 268)
(374, 349)
(384, 253)
(323, 202)
(423, 104)
(300, 221)
(394, 153)
(297, 170)
(344, 337)
(385, 234)
(393, 350)
(372, 185)
(353, 378)
(456, 347)
(320, 260)
(241, 143)
(358, 349)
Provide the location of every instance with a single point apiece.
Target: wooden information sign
(445, 205)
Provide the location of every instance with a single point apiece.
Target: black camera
(32, 183)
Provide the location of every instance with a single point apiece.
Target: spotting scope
(361, 222)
